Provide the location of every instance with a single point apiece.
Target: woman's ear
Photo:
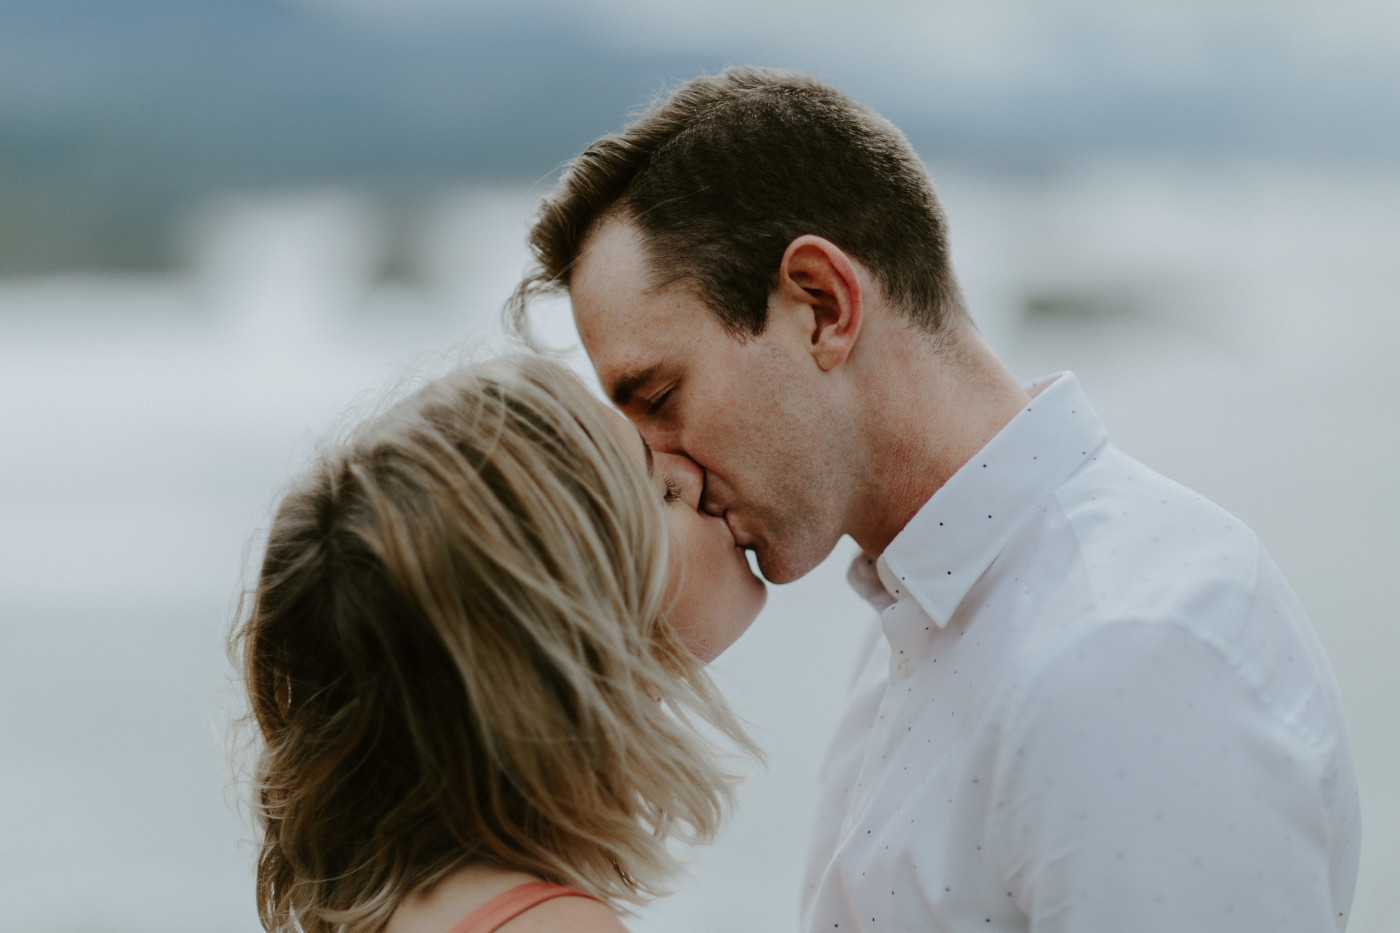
(819, 281)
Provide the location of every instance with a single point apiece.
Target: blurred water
(1233, 325)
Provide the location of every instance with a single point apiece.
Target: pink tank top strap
(507, 906)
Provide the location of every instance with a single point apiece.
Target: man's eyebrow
(628, 383)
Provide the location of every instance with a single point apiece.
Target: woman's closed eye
(679, 478)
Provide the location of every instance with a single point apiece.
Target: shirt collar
(953, 539)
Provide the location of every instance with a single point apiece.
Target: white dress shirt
(1091, 703)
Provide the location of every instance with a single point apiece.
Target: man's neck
(926, 413)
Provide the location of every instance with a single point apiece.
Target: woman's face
(712, 595)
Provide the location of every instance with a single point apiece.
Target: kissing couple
(475, 650)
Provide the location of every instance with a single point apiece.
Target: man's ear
(819, 280)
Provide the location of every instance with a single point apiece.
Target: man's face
(750, 413)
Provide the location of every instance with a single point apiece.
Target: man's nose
(659, 438)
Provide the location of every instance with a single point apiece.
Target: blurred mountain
(117, 115)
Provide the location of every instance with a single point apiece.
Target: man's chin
(778, 567)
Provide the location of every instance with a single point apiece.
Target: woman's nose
(685, 473)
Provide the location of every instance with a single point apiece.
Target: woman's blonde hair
(455, 652)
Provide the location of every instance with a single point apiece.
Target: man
(1091, 702)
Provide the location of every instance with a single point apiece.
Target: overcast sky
(1184, 40)
(1250, 69)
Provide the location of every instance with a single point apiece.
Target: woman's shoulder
(571, 914)
(473, 887)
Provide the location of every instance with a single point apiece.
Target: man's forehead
(614, 254)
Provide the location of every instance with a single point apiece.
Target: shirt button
(905, 668)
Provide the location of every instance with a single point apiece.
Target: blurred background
(226, 223)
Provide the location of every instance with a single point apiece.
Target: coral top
(507, 906)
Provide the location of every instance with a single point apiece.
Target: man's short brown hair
(720, 176)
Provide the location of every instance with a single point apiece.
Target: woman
(474, 656)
